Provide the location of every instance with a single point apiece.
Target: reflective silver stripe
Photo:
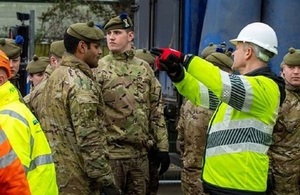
(226, 86)
(31, 145)
(8, 158)
(37, 161)
(246, 123)
(19, 117)
(204, 95)
(2, 137)
(15, 115)
(40, 160)
(249, 95)
(208, 99)
(241, 135)
(242, 147)
(237, 91)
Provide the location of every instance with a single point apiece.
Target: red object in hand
(177, 56)
(167, 57)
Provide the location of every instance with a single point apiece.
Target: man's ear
(3, 76)
(248, 53)
(131, 35)
(81, 47)
(1, 80)
(52, 60)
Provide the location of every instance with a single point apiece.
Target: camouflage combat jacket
(133, 106)
(34, 99)
(286, 134)
(74, 128)
(192, 126)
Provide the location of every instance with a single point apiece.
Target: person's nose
(11, 63)
(297, 70)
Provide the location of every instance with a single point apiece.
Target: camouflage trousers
(190, 182)
(286, 175)
(131, 175)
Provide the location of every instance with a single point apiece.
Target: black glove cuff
(179, 74)
(187, 60)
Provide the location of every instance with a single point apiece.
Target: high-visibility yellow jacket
(12, 175)
(28, 141)
(240, 130)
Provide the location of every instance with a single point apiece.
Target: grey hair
(261, 53)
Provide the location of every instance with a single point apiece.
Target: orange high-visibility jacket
(13, 179)
(28, 141)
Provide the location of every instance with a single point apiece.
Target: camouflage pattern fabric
(133, 110)
(285, 150)
(74, 128)
(138, 168)
(133, 107)
(34, 99)
(192, 126)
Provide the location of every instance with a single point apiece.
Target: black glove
(169, 60)
(110, 190)
(163, 159)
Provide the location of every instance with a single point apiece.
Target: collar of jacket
(292, 88)
(127, 55)
(266, 71)
(49, 70)
(8, 94)
(71, 60)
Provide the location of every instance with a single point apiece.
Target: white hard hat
(259, 34)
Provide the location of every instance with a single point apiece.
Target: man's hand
(111, 190)
(165, 53)
(163, 159)
(168, 59)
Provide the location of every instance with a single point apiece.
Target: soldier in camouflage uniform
(74, 116)
(13, 49)
(192, 126)
(33, 99)
(134, 114)
(36, 70)
(285, 150)
(153, 164)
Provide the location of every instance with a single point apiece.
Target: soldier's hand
(163, 159)
(111, 190)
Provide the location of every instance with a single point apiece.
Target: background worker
(13, 49)
(36, 69)
(56, 51)
(34, 99)
(133, 109)
(26, 137)
(192, 127)
(208, 50)
(240, 131)
(73, 121)
(144, 54)
(285, 150)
